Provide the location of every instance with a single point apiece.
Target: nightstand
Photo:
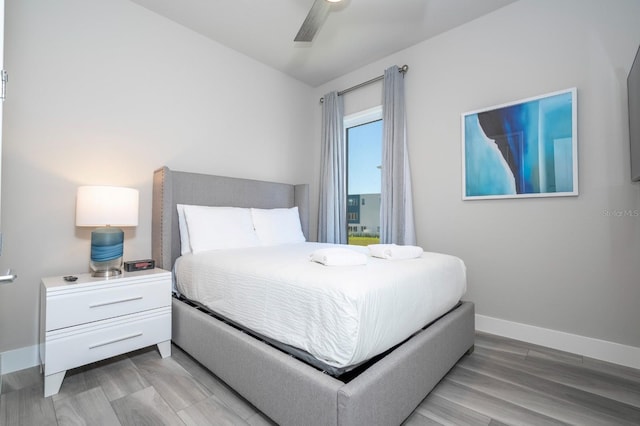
(96, 318)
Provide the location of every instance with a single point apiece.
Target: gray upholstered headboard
(171, 187)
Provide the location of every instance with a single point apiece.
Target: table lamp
(106, 207)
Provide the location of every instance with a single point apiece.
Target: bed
(289, 391)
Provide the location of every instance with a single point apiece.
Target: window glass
(363, 134)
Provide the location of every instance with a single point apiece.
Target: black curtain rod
(403, 69)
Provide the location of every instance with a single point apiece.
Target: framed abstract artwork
(527, 148)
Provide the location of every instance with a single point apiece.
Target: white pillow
(278, 226)
(215, 228)
(185, 244)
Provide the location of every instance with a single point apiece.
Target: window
(363, 136)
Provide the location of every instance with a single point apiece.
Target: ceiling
(355, 33)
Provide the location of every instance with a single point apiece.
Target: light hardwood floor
(503, 382)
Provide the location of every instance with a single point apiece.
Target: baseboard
(19, 359)
(629, 356)
(603, 350)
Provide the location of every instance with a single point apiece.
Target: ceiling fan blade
(313, 21)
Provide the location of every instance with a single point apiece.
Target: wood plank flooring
(503, 382)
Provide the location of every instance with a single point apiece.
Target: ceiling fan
(314, 20)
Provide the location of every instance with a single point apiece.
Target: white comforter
(342, 315)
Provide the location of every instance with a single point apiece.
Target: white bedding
(342, 315)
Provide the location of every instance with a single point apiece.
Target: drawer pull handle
(120, 339)
(97, 305)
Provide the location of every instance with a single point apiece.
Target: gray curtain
(396, 204)
(332, 217)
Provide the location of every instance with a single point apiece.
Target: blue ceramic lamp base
(106, 252)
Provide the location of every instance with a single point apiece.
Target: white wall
(556, 263)
(105, 92)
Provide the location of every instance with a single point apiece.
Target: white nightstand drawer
(94, 304)
(87, 343)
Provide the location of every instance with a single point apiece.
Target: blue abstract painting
(526, 148)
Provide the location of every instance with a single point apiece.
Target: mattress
(341, 315)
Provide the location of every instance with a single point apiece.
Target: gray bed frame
(287, 390)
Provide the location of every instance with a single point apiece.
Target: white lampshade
(106, 205)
